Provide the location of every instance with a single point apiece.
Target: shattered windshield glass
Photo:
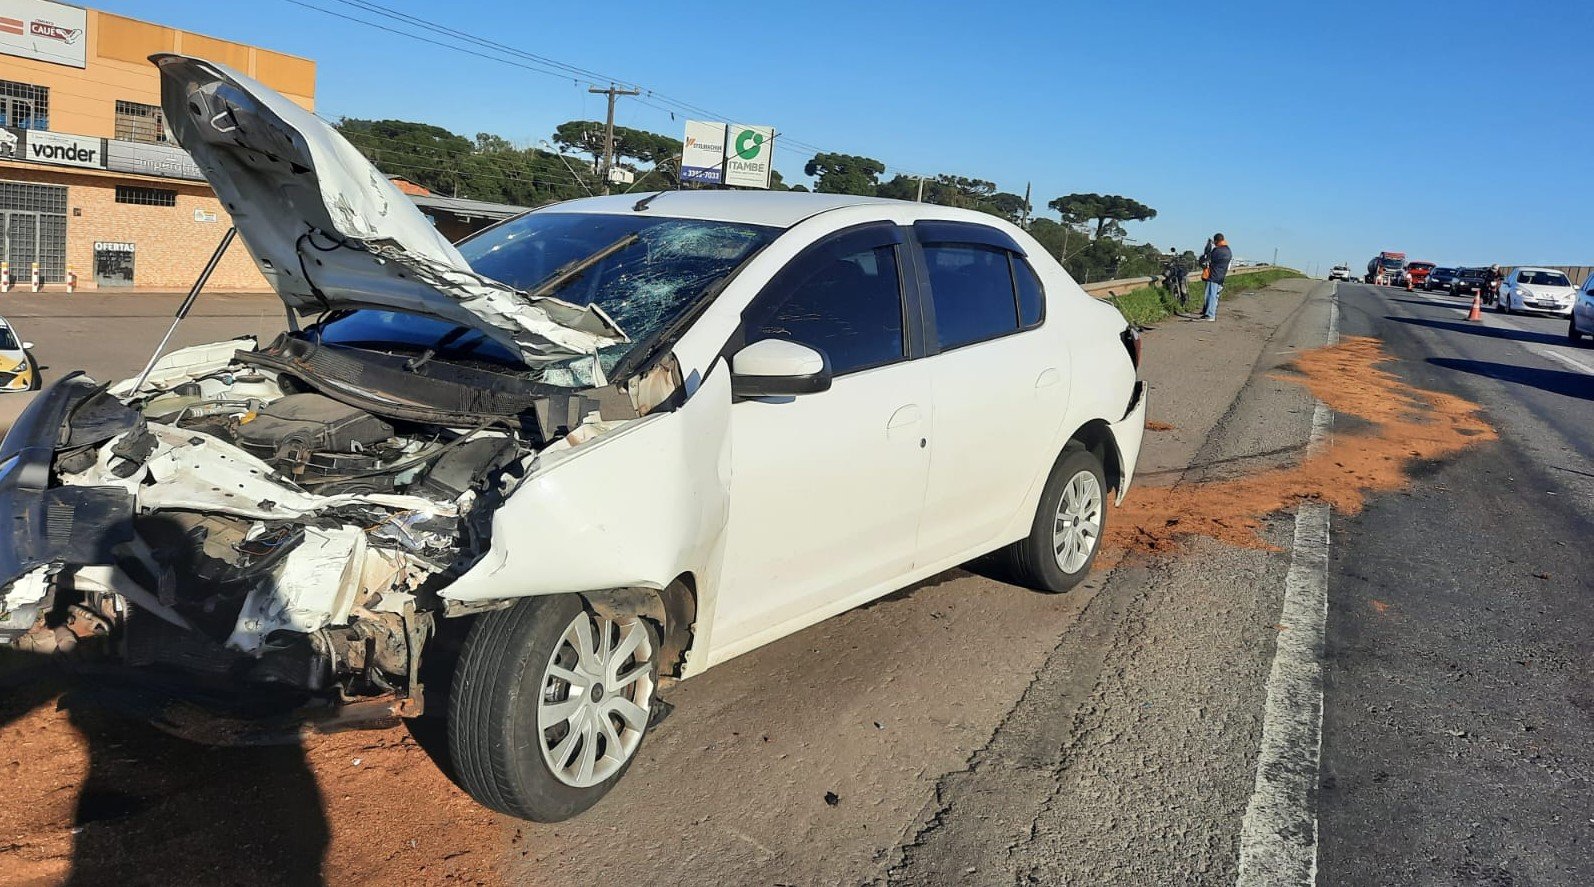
(643, 271)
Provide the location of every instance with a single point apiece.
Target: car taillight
(1131, 340)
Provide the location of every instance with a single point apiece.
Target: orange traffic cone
(1476, 314)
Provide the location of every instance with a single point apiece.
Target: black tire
(1032, 561)
(493, 708)
(1573, 334)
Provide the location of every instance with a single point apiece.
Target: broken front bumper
(41, 525)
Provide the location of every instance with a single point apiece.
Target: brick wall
(171, 247)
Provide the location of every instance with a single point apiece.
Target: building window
(140, 123)
(145, 196)
(24, 106)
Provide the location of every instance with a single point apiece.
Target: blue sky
(1458, 131)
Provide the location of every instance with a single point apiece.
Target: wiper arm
(571, 270)
(443, 341)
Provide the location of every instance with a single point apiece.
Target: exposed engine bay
(282, 516)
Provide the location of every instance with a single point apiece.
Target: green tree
(959, 191)
(845, 174)
(637, 145)
(1102, 209)
(426, 155)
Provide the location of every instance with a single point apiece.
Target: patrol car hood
(329, 230)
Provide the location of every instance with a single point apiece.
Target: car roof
(779, 209)
(1537, 268)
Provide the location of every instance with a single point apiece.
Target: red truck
(1414, 274)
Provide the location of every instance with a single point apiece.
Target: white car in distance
(1543, 290)
(597, 447)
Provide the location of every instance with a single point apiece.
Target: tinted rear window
(972, 289)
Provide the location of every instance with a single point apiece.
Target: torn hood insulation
(330, 231)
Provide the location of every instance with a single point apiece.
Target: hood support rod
(188, 304)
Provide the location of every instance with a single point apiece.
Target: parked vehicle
(594, 448)
(1469, 281)
(1414, 275)
(18, 372)
(1581, 323)
(1339, 272)
(1439, 279)
(1382, 268)
(1541, 290)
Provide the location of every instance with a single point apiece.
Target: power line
(530, 61)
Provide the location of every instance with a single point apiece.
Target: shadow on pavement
(151, 809)
(1570, 384)
(1478, 329)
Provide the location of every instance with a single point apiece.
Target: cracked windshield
(643, 272)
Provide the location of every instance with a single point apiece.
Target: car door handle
(1048, 377)
(905, 417)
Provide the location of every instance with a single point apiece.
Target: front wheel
(549, 705)
(1069, 522)
(1573, 334)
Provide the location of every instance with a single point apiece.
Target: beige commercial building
(89, 181)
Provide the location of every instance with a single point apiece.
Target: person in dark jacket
(1215, 267)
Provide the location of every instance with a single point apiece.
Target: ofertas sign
(749, 155)
(45, 31)
(703, 153)
(53, 147)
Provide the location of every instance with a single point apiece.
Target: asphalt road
(1458, 740)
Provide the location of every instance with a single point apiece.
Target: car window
(1544, 278)
(848, 306)
(972, 290)
(1031, 295)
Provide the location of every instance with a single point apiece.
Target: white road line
(1278, 838)
(1570, 361)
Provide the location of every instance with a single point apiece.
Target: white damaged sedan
(531, 479)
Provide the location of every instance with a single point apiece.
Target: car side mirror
(27, 346)
(778, 368)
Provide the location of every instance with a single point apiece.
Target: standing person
(1214, 268)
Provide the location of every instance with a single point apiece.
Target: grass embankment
(1150, 304)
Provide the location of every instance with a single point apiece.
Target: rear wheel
(1068, 526)
(550, 703)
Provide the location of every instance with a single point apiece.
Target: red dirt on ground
(1406, 425)
(1154, 425)
(92, 799)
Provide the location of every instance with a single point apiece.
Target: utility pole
(1275, 255)
(920, 198)
(613, 93)
(1025, 223)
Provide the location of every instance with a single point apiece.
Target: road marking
(1572, 362)
(1278, 838)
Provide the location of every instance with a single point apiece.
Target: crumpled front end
(235, 529)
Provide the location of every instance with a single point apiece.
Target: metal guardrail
(1106, 289)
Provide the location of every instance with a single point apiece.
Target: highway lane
(1458, 740)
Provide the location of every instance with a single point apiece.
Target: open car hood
(330, 231)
